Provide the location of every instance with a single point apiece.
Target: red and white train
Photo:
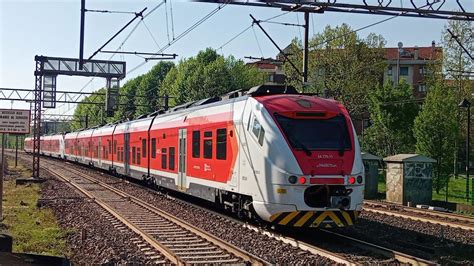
(289, 158)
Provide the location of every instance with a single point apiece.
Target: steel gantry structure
(434, 9)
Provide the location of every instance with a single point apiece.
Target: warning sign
(14, 121)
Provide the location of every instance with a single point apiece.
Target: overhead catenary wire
(258, 43)
(151, 34)
(183, 34)
(167, 26)
(251, 25)
(172, 19)
(120, 47)
(109, 11)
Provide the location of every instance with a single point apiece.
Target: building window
(143, 148)
(422, 70)
(271, 78)
(171, 162)
(221, 149)
(196, 144)
(163, 158)
(422, 88)
(390, 70)
(153, 148)
(403, 71)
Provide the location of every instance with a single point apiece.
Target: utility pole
(16, 152)
(81, 37)
(2, 170)
(306, 49)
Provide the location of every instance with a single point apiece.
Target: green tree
(127, 107)
(436, 129)
(207, 75)
(392, 111)
(341, 65)
(147, 94)
(95, 113)
(456, 60)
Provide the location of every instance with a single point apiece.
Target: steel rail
(207, 236)
(420, 219)
(386, 252)
(401, 257)
(423, 211)
(150, 240)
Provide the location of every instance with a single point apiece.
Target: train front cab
(311, 166)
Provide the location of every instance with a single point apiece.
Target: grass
(33, 230)
(456, 189)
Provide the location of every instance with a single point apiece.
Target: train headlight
(292, 179)
(359, 179)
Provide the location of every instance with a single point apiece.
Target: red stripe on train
(325, 181)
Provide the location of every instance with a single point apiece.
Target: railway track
(178, 241)
(435, 217)
(389, 256)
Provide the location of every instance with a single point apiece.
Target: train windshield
(316, 134)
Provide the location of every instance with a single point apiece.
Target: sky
(51, 28)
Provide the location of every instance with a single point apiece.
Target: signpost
(14, 121)
(11, 122)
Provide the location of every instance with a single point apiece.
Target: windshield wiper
(303, 147)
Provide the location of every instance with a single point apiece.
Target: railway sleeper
(193, 256)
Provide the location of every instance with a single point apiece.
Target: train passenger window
(163, 158)
(208, 134)
(171, 162)
(258, 131)
(208, 148)
(133, 154)
(221, 149)
(138, 156)
(143, 148)
(153, 148)
(115, 147)
(261, 136)
(110, 147)
(196, 144)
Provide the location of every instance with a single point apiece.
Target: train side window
(110, 146)
(133, 154)
(258, 131)
(115, 146)
(143, 148)
(208, 148)
(221, 149)
(261, 136)
(163, 158)
(153, 148)
(138, 156)
(196, 143)
(171, 161)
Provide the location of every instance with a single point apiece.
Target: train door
(99, 148)
(182, 159)
(126, 152)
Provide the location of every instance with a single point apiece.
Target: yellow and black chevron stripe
(324, 219)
